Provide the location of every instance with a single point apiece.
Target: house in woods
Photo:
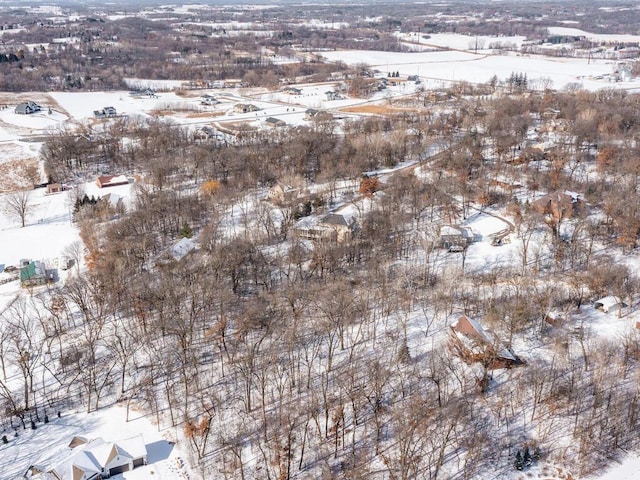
(274, 122)
(106, 112)
(111, 181)
(333, 227)
(559, 204)
(245, 108)
(27, 108)
(89, 460)
(609, 304)
(311, 113)
(455, 238)
(342, 226)
(181, 248)
(557, 207)
(279, 194)
(472, 343)
(34, 273)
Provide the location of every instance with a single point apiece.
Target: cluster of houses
(93, 459)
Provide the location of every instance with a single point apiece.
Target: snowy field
(453, 66)
(456, 41)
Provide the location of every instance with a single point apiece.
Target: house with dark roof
(27, 108)
(274, 122)
(106, 112)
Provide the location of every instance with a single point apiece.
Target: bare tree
(19, 205)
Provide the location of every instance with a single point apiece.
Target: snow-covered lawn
(452, 66)
(48, 441)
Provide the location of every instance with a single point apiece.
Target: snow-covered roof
(87, 459)
(607, 303)
(180, 249)
(133, 447)
(448, 230)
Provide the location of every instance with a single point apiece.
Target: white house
(91, 460)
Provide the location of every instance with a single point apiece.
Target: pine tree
(519, 462)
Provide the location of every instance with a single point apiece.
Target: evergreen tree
(519, 462)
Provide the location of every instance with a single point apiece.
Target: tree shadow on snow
(158, 451)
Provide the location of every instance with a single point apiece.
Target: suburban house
(311, 113)
(34, 273)
(332, 95)
(208, 100)
(275, 122)
(91, 460)
(292, 91)
(472, 343)
(111, 181)
(245, 108)
(609, 304)
(27, 108)
(106, 112)
(334, 227)
(455, 238)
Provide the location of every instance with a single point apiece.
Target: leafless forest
(280, 357)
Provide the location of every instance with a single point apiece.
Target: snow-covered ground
(457, 41)
(455, 66)
(47, 443)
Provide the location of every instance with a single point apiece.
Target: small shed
(275, 122)
(54, 188)
(609, 304)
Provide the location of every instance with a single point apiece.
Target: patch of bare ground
(376, 109)
(234, 128)
(187, 109)
(204, 114)
(13, 171)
